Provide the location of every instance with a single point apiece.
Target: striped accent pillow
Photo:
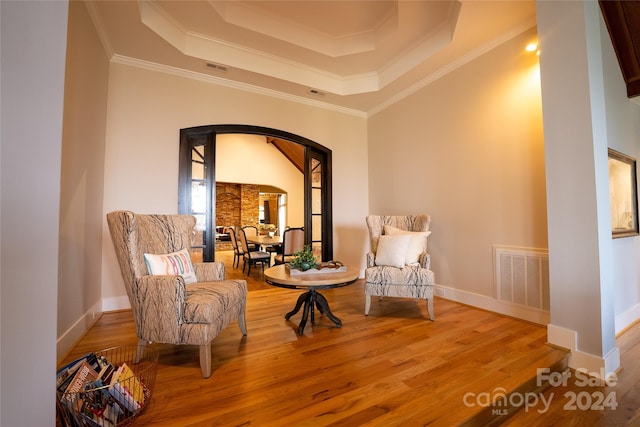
(173, 264)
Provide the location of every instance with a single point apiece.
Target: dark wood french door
(197, 185)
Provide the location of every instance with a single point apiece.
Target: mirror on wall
(272, 215)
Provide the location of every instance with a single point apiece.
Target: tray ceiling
(352, 54)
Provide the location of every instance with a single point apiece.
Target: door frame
(208, 133)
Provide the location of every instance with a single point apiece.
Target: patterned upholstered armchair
(182, 303)
(398, 264)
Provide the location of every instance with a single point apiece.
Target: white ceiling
(356, 55)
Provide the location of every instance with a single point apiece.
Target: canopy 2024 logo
(502, 403)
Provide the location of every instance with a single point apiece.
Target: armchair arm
(160, 300)
(209, 271)
(371, 259)
(425, 261)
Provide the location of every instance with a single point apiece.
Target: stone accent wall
(249, 210)
(237, 204)
(228, 204)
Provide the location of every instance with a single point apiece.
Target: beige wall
(146, 111)
(467, 149)
(248, 159)
(82, 179)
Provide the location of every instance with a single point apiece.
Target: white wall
(248, 159)
(146, 111)
(467, 149)
(623, 135)
(82, 179)
(32, 33)
(581, 94)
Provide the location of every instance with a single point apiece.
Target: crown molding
(205, 47)
(245, 16)
(166, 69)
(453, 66)
(94, 14)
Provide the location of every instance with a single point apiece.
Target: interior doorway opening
(199, 169)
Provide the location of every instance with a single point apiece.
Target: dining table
(265, 241)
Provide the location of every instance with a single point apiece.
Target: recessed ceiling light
(532, 47)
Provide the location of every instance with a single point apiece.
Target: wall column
(580, 246)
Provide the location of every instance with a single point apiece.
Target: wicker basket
(112, 404)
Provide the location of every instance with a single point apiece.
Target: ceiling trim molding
(453, 66)
(180, 72)
(94, 14)
(247, 17)
(235, 55)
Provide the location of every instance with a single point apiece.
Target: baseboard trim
(72, 335)
(529, 314)
(597, 366)
(627, 318)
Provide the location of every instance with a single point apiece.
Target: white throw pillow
(417, 245)
(392, 250)
(173, 264)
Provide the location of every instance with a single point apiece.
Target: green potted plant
(304, 259)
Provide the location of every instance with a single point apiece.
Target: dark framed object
(623, 194)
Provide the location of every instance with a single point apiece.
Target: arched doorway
(197, 184)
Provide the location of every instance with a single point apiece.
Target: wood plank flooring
(391, 368)
(621, 409)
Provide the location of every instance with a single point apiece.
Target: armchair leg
(242, 321)
(367, 304)
(205, 360)
(430, 309)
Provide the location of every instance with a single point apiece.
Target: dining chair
(252, 257)
(251, 231)
(237, 249)
(292, 241)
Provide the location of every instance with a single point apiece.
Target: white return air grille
(522, 276)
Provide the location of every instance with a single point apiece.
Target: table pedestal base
(311, 299)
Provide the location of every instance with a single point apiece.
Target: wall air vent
(521, 276)
(216, 67)
(316, 92)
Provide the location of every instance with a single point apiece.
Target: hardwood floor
(620, 402)
(391, 368)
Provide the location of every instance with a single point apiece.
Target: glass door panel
(195, 198)
(199, 195)
(197, 185)
(316, 208)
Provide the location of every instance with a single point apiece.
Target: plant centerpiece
(270, 229)
(304, 259)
